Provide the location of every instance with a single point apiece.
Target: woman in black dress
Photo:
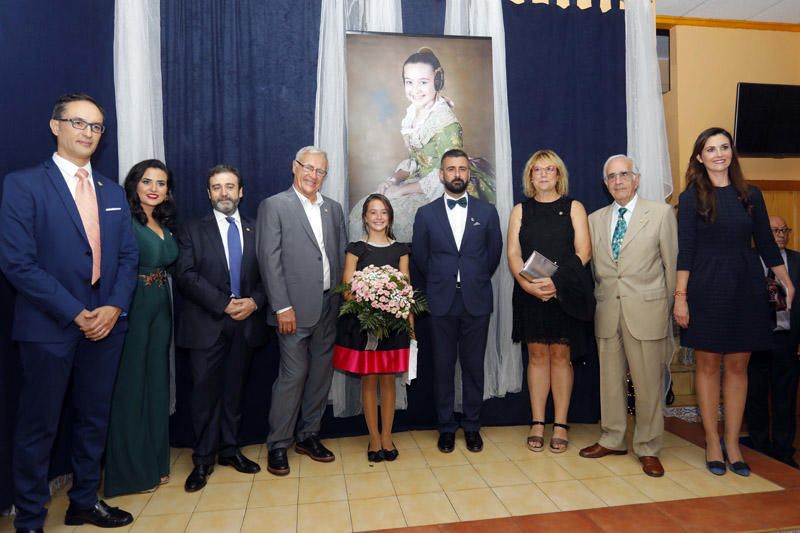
(721, 300)
(556, 226)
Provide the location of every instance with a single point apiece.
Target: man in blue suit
(68, 248)
(456, 248)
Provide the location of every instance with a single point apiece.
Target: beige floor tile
(702, 482)
(294, 468)
(750, 484)
(328, 517)
(253, 451)
(59, 527)
(415, 481)
(322, 489)
(168, 523)
(659, 489)
(409, 459)
(621, 465)
(477, 504)
(404, 441)
(274, 493)
(543, 470)
(427, 438)
(173, 454)
(673, 441)
(357, 463)
(436, 458)
(312, 468)
(6, 523)
(216, 522)
(501, 474)
(490, 453)
(518, 451)
(694, 455)
(88, 528)
(673, 463)
(353, 444)
(582, 468)
(171, 500)
(228, 474)
(615, 491)
(499, 434)
(371, 485)
(281, 519)
(459, 477)
(423, 509)
(133, 503)
(182, 455)
(178, 473)
(376, 513)
(570, 495)
(525, 499)
(333, 445)
(224, 497)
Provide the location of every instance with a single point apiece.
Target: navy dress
(727, 295)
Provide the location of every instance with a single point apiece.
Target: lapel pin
(247, 229)
(99, 183)
(560, 213)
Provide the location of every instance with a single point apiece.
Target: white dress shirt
(223, 224)
(68, 170)
(630, 206)
(458, 221)
(314, 215)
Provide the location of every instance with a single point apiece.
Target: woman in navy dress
(721, 300)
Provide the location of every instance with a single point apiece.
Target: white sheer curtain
(137, 82)
(647, 131)
(503, 364)
(330, 132)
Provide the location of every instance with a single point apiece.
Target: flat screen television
(767, 120)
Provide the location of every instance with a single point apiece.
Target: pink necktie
(87, 207)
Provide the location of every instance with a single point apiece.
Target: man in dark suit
(68, 248)
(456, 248)
(776, 370)
(221, 322)
(301, 241)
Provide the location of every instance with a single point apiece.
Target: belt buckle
(458, 284)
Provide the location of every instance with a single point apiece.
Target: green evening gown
(137, 451)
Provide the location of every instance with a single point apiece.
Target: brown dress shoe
(651, 466)
(595, 451)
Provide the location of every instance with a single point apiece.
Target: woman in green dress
(137, 451)
(429, 129)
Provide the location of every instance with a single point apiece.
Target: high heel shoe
(740, 468)
(716, 467)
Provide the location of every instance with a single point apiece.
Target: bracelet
(680, 293)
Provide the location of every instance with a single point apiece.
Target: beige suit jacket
(643, 280)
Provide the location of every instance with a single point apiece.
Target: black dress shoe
(446, 442)
(473, 440)
(278, 462)
(101, 515)
(313, 448)
(240, 463)
(198, 478)
(40, 530)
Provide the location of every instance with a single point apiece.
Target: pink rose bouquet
(382, 299)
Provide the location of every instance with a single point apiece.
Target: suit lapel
(638, 221)
(604, 238)
(297, 207)
(471, 212)
(57, 181)
(444, 222)
(249, 232)
(211, 229)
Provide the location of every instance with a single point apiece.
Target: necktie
(234, 256)
(86, 202)
(461, 201)
(619, 233)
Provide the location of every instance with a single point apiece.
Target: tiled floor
(425, 488)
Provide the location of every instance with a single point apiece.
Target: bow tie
(461, 201)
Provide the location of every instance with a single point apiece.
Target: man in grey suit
(301, 242)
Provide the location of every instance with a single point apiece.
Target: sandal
(536, 443)
(164, 480)
(559, 445)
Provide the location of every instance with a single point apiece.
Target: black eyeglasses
(321, 172)
(781, 231)
(80, 124)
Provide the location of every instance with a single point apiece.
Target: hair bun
(425, 50)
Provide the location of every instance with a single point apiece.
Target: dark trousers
(219, 373)
(458, 335)
(773, 373)
(48, 369)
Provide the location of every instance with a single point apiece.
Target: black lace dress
(546, 228)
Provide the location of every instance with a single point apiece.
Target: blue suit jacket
(45, 254)
(436, 257)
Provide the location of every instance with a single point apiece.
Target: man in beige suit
(635, 250)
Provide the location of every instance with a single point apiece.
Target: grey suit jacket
(289, 258)
(643, 280)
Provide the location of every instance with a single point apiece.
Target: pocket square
(113, 209)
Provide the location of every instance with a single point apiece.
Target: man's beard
(226, 207)
(457, 186)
